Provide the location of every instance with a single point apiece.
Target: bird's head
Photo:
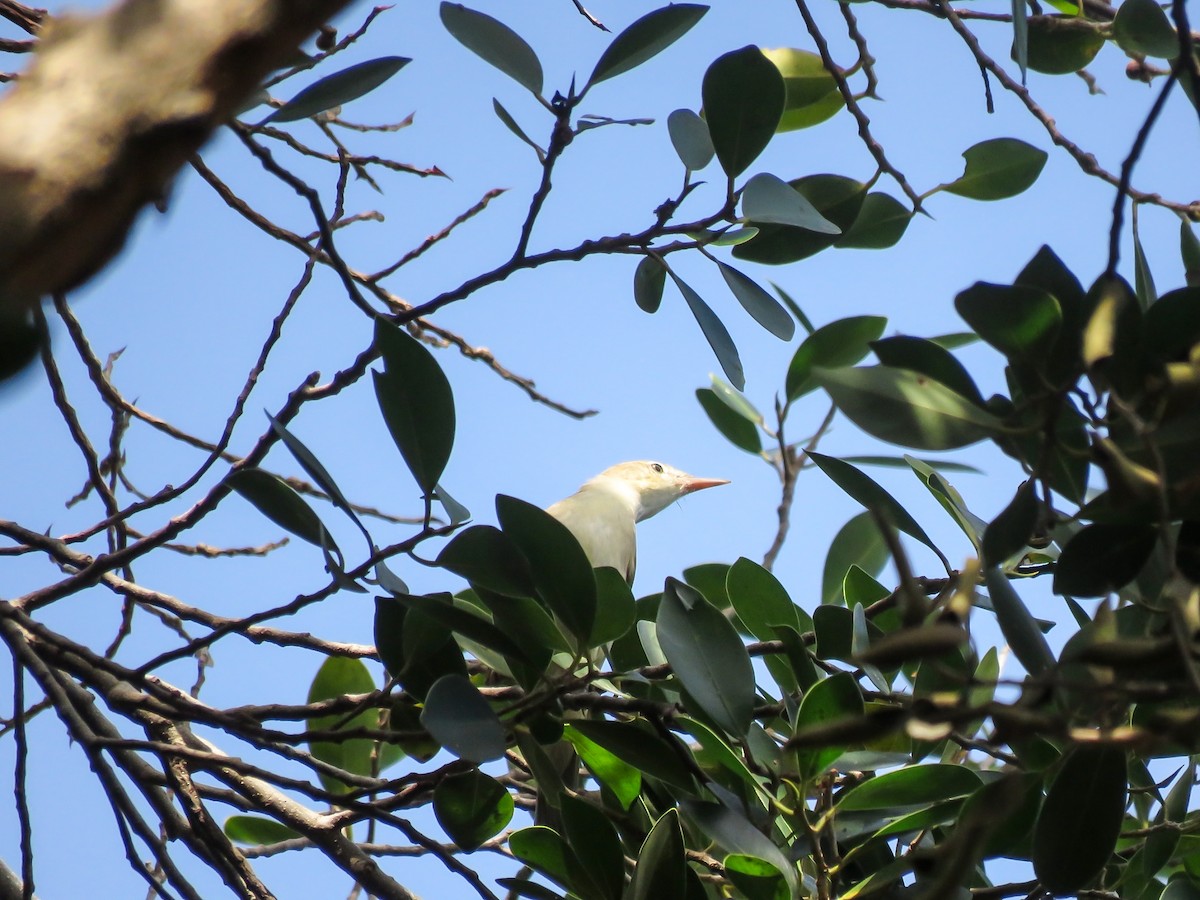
(655, 485)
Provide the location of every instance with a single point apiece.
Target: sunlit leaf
(1059, 45)
(471, 807)
(337, 677)
(812, 95)
(256, 830)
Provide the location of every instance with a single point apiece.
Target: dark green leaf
(1189, 252)
(543, 850)
(765, 309)
(833, 628)
(419, 648)
(835, 698)
(1010, 531)
(640, 748)
(761, 602)
(927, 358)
(743, 100)
(792, 305)
(337, 677)
(416, 402)
(767, 199)
(315, 470)
(949, 499)
(1143, 279)
(648, 280)
(614, 607)
(906, 408)
(389, 633)
(1019, 628)
(898, 462)
(739, 431)
(690, 138)
(997, 169)
(441, 608)
(735, 834)
(511, 124)
(257, 831)
(1019, 321)
(837, 198)
(1102, 558)
(1080, 821)
(715, 333)
(840, 343)
(458, 717)
(661, 864)
(863, 489)
(484, 555)
(707, 656)
(272, 497)
(597, 848)
(646, 38)
(471, 807)
(911, 786)
(880, 224)
(494, 43)
(1172, 325)
(338, 88)
(1059, 45)
(812, 94)
(754, 878)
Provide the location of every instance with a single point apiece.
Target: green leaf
(761, 602)
(1189, 252)
(543, 850)
(735, 834)
(857, 543)
(456, 512)
(442, 608)
(597, 848)
(458, 717)
(511, 124)
(707, 656)
(736, 429)
(767, 199)
(661, 864)
(624, 780)
(1020, 46)
(417, 404)
(898, 462)
(880, 223)
(1080, 821)
(337, 677)
(639, 747)
(485, 556)
(715, 333)
(835, 698)
(615, 610)
(812, 95)
(648, 280)
(927, 358)
(276, 500)
(495, 43)
(949, 499)
(1010, 531)
(1060, 45)
(863, 489)
(765, 309)
(735, 400)
(1021, 322)
(315, 470)
(998, 169)
(743, 100)
(646, 38)
(1172, 325)
(1019, 628)
(755, 878)
(471, 807)
(1143, 278)
(906, 408)
(910, 786)
(257, 831)
(338, 88)
(690, 138)
(559, 567)
(1101, 558)
(840, 343)
(835, 197)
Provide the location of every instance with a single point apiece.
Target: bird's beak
(693, 484)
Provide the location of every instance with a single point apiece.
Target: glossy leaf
(767, 199)
(911, 786)
(735, 834)
(484, 555)
(458, 717)
(715, 333)
(1100, 558)
(707, 656)
(276, 500)
(949, 499)
(906, 408)
(863, 489)
(997, 169)
(840, 343)
(543, 850)
(644, 750)
(690, 138)
(646, 38)
(338, 88)
(337, 677)
(812, 94)
(761, 602)
(495, 43)
(1060, 45)
(257, 830)
(471, 808)
(743, 100)
(648, 280)
(735, 400)
(857, 543)
(624, 780)
(837, 198)
(835, 698)
(615, 609)
(880, 224)
(736, 429)
(765, 309)
(1080, 821)
(661, 864)
(601, 862)
(927, 358)
(1021, 322)
(1019, 628)
(468, 624)
(417, 404)
(1011, 530)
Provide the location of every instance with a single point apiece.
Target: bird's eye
(657, 467)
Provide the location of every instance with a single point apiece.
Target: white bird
(603, 512)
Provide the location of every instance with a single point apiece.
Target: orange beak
(698, 484)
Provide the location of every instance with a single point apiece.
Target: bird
(603, 513)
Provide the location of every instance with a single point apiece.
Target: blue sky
(191, 298)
